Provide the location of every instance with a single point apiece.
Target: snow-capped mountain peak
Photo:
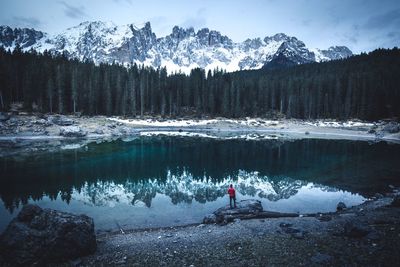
(182, 50)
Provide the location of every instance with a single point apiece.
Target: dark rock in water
(72, 131)
(356, 229)
(41, 236)
(61, 120)
(396, 202)
(245, 209)
(321, 258)
(341, 206)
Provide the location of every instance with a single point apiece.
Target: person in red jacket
(232, 196)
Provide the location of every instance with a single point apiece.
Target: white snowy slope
(182, 50)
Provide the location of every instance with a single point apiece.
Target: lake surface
(166, 181)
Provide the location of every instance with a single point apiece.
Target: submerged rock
(72, 131)
(40, 236)
(245, 209)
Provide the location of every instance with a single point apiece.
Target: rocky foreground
(365, 235)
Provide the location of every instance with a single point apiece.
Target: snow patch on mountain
(180, 51)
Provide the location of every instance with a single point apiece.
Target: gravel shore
(366, 235)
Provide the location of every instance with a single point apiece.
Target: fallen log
(244, 210)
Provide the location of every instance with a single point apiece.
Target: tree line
(365, 86)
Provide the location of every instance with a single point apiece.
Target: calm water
(165, 181)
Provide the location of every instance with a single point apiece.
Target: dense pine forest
(365, 86)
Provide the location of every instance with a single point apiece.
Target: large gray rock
(245, 209)
(72, 131)
(41, 236)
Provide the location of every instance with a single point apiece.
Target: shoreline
(310, 240)
(49, 127)
(367, 234)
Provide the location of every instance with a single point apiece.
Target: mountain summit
(182, 50)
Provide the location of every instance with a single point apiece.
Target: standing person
(232, 196)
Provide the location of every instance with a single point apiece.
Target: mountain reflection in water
(174, 175)
(186, 189)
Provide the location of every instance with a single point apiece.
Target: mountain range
(182, 50)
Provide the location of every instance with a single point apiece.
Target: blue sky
(362, 25)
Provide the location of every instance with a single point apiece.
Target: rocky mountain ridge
(182, 50)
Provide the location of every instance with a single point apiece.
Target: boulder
(341, 206)
(61, 120)
(72, 131)
(245, 209)
(42, 236)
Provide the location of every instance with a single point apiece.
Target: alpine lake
(161, 181)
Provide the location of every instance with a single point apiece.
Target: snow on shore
(191, 122)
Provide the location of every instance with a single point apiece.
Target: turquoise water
(165, 181)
